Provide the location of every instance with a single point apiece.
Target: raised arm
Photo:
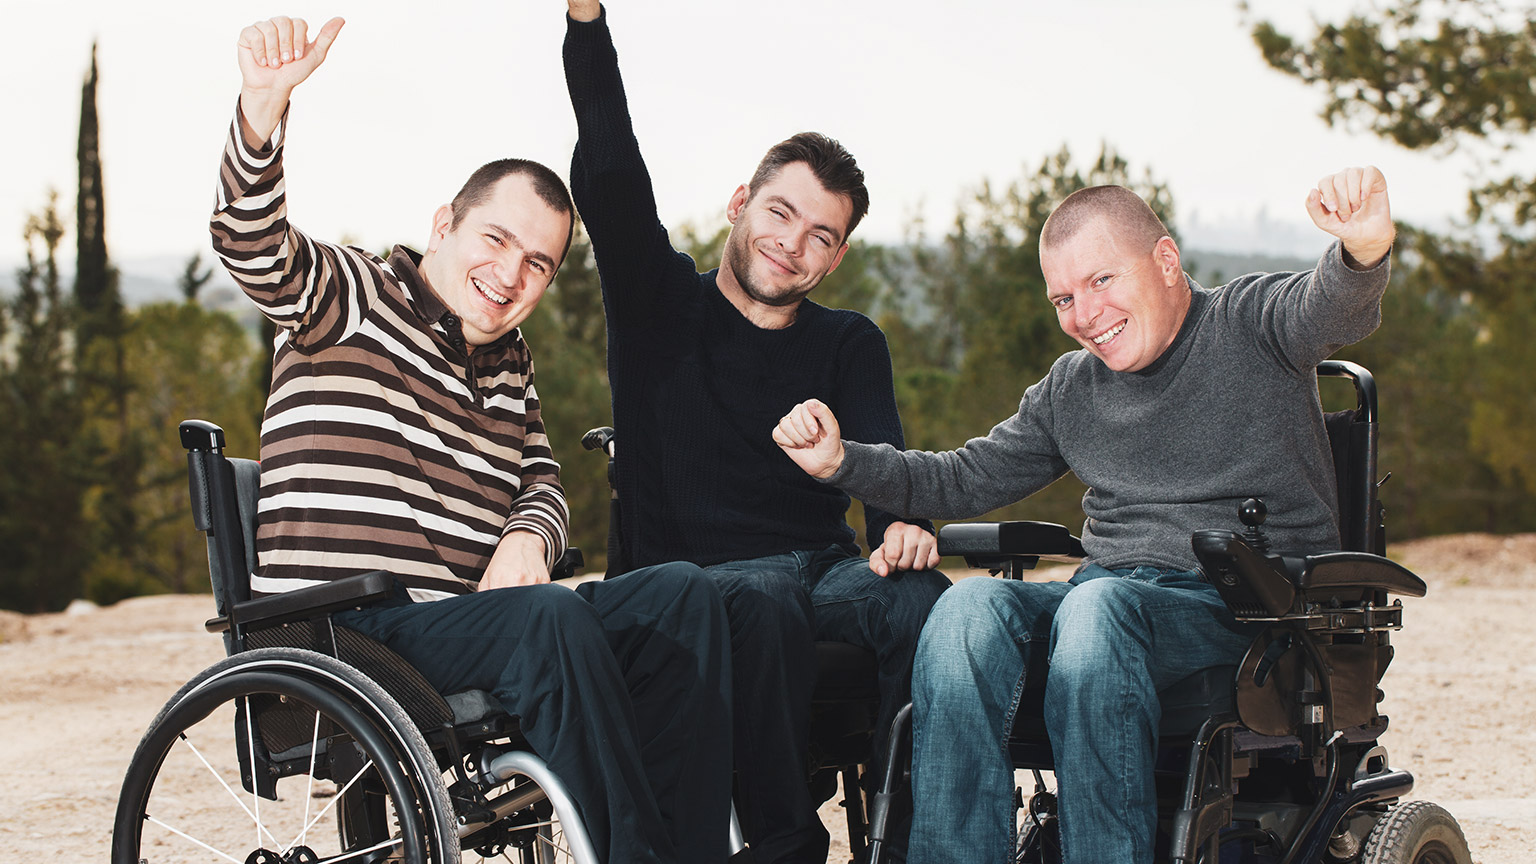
(609, 180)
(302, 285)
(1352, 205)
(1305, 317)
(276, 56)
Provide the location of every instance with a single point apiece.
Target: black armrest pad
(311, 602)
(1360, 569)
(992, 539)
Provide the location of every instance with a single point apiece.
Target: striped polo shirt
(385, 445)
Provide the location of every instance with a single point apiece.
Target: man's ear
(739, 199)
(839, 259)
(442, 226)
(1169, 265)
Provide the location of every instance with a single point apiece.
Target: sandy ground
(78, 688)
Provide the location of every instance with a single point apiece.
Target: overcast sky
(931, 97)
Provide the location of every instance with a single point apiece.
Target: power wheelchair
(1277, 759)
(312, 743)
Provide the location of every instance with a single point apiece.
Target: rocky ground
(78, 688)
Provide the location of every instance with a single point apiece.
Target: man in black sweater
(702, 366)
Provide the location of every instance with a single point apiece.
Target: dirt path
(77, 690)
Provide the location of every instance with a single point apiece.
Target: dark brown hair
(832, 165)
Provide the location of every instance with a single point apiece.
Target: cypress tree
(96, 289)
(111, 447)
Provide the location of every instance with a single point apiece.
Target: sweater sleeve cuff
(543, 512)
(584, 32)
(1338, 268)
(858, 470)
(268, 149)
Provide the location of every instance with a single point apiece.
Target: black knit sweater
(697, 388)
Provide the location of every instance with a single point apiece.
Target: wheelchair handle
(201, 435)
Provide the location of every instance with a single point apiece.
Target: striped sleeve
(317, 290)
(540, 505)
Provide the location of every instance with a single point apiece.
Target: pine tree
(41, 482)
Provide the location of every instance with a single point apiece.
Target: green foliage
(1423, 73)
(42, 481)
(1438, 74)
(185, 361)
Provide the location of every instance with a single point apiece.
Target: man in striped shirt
(403, 433)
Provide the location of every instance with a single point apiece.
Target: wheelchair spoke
(332, 803)
(190, 839)
(309, 792)
(260, 828)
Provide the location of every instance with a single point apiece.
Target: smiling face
(785, 237)
(494, 267)
(1123, 303)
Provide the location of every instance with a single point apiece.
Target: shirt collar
(406, 262)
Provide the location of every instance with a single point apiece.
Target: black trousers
(622, 687)
(779, 606)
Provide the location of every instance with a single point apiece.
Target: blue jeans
(1110, 640)
(778, 607)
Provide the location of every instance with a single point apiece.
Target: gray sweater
(1229, 411)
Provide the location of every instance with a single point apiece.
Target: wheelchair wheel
(1416, 832)
(283, 756)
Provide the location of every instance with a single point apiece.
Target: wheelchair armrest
(1359, 570)
(1255, 585)
(309, 602)
(570, 562)
(996, 545)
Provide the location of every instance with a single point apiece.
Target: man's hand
(906, 547)
(809, 434)
(584, 10)
(519, 560)
(1352, 206)
(275, 57)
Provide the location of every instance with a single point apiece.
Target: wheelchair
(1276, 760)
(844, 709)
(312, 743)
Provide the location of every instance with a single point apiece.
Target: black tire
(349, 754)
(1416, 832)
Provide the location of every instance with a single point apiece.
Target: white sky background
(931, 97)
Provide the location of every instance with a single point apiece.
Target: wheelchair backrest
(1352, 435)
(224, 492)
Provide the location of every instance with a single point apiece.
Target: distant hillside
(1215, 268)
(153, 280)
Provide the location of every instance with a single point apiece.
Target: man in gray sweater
(1183, 402)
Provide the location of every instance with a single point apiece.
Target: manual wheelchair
(311, 743)
(1277, 759)
(844, 708)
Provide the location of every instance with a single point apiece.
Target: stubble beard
(738, 257)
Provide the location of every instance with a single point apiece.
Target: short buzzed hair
(546, 184)
(1125, 210)
(831, 164)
